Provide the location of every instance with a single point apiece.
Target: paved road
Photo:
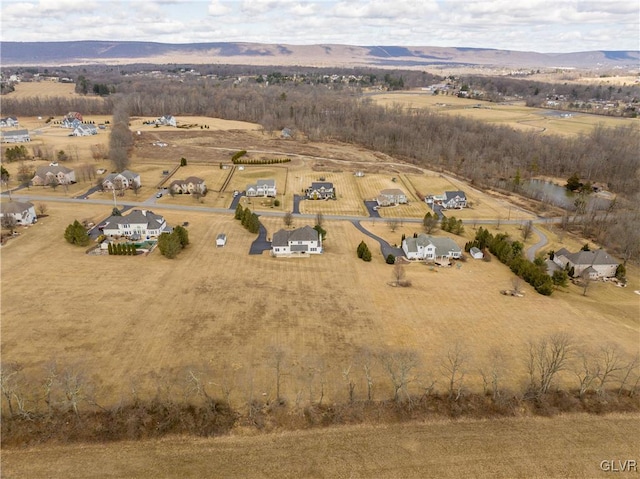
(260, 244)
(370, 205)
(385, 248)
(296, 203)
(533, 249)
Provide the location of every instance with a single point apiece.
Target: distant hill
(92, 52)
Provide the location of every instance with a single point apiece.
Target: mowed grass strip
(571, 446)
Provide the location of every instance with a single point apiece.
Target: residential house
(122, 181)
(138, 224)
(392, 196)
(454, 200)
(85, 130)
(221, 239)
(73, 115)
(24, 213)
(71, 123)
(301, 241)
(320, 191)
(16, 136)
(596, 264)
(262, 188)
(9, 121)
(476, 253)
(45, 175)
(430, 248)
(192, 184)
(166, 120)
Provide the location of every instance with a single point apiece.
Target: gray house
(301, 241)
(595, 264)
(16, 136)
(320, 191)
(23, 213)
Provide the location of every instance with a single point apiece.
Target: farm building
(424, 247)
(45, 175)
(16, 136)
(73, 115)
(166, 120)
(192, 184)
(221, 239)
(123, 180)
(296, 242)
(23, 213)
(139, 224)
(320, 191)
(262, 188)
(392, 196)
(595, 264)
(476, 253)
(84, 130)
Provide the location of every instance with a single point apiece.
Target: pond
(559, 196)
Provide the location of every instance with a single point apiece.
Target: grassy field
(567, 447)
(515, 115)
(43, 89)
(211, 305)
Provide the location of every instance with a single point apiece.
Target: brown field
(568, 446)
(44, 88)
(515, 115)
(183, 327)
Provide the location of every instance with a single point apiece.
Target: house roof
(21, 132)
(317, 185)
(283, 237)
(152, 220)
(474, 250)
(221, 236)
(449, 195)
(597, 257)
(13, 207)
(392, 192)
(54, 170)
(129, 175)
(442, 245)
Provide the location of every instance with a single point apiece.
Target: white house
(16, 136)
(45, 175)
(595, 264)
(166, 120)
(299, 242)
(262, 188)
(320, 190)
(123, 180)
(391, 196)
(138, 224)
(454, 200)
(23, 212)
(9, 121)
(476, 253)
(221, 239)
(429, 248)
(71, 123)
(85, 130)
(192, 184)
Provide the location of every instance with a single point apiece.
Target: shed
(221, 239)
(476, 253)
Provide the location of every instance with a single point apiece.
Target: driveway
(533, 249)
(296, 203)
(85, 195)
(438, 210)
(235, 201)
(260, 244)
(385, 248)
(370, 205)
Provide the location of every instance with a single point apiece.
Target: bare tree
(42, 209)
(630, 369)
(547, 357)
(430, 222)
(588, 370)
(494, 373)
(9, 222)
(9, 373)
(393, 223)
(453, 367)
(527, 230)
(277, 357)
(74, 388)
(366, 359)
(516, 283)
(400, 366)
(399, 275)
(346, 372)
(610, 364)
(288, 219)
(319, 220)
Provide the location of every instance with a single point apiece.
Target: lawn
(572, 446)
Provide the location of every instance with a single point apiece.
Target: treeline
(61, 403)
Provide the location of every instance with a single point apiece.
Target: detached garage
(221, 239)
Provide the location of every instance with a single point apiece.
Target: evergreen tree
(361, 248)
(76, 234)
(110, 248)
(366, 255)
(182, 234)
(239, 212)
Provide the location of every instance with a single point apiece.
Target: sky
(543, 26)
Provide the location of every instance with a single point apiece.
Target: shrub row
(122, 249)
(248, 219)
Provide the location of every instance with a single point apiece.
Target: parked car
(159, 194)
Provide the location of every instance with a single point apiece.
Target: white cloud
(218, 9)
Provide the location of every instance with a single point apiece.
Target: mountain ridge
(128, 52)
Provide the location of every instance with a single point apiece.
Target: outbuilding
(221, 239)
(476, 253)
